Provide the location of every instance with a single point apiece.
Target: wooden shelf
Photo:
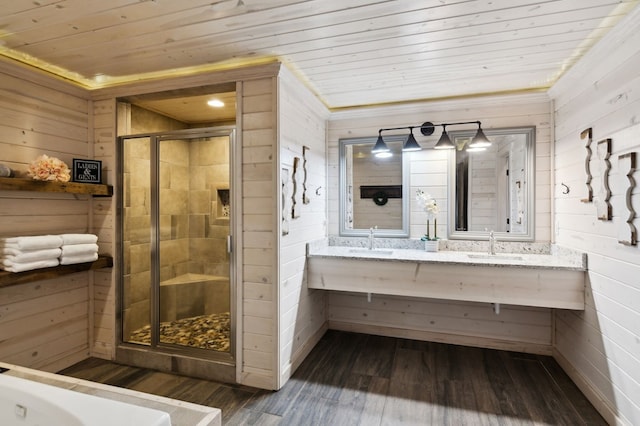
(13, 278)
(18, 184)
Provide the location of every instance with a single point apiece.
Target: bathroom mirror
(374, 191)
(493, 189)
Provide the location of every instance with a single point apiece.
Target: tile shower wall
(174, 209)
(209, 210)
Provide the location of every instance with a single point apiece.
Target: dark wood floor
(357, 379)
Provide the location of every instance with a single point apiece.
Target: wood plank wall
(600, 347)
(103, 293)
(259, 238)
(43, 324)
(520, 328)
(301, 123)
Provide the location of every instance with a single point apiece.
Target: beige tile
(173, 202)
(174, 251)
(196, 225)
(180, 179)
(165, 175)
(175, 152)
(137, 288)
(140, 173)
(200, 202)
(216, 296)
(180, 226)
(137, 229)
(140, 258)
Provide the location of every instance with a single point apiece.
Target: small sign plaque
(87, 171)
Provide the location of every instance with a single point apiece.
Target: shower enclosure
(176, 218)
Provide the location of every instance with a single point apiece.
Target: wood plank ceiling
(349, 52)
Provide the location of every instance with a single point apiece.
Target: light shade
(444, 142)
(380, 146)
(480, 140)
(411, 144)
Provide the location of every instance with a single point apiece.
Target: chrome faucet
(492, 243)
(371, 236)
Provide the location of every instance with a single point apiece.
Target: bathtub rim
(210, 416)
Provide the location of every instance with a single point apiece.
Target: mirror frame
(342, 185)
(529, 234)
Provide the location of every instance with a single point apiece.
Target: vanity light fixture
(479, 142)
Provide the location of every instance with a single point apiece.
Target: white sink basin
(496, 256)
(367, 251)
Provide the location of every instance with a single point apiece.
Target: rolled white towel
(77, 249)
(32, 243)
(26, 256)
(69, 239)
(80, 258)
(21, 267)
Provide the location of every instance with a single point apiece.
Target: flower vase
(431, 245)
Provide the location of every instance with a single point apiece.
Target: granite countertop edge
(548, 257)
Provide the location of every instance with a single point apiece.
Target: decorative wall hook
(566, 188)
(305, 198)
(628, 233)
(588, 133)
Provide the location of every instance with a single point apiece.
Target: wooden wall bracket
(603, 206)
(627, 163)
(588, 133)
(305, 198)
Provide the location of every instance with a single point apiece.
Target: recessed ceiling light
(216, 103)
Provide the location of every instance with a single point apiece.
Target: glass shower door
(193, 229)
(176, 217)
(136, 241)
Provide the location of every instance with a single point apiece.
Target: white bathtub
(28, 403)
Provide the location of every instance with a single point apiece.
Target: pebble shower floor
(204, 331)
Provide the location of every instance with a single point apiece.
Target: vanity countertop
(554, 258)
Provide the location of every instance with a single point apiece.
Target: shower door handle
(229, 246)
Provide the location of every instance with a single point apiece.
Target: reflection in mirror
(373, 190)
(493, 189)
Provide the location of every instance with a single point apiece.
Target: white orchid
(428, 204)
